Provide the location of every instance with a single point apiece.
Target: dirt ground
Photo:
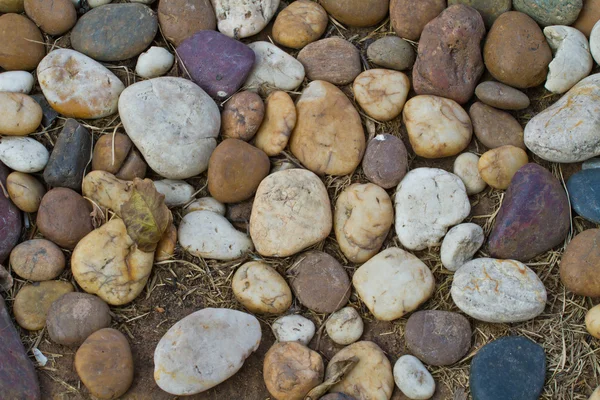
(185, 284)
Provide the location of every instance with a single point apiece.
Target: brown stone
(359, 13)
(242, 115)
(33, 302)
(11, 6)
(104, 364)
(386, 160)
(179, 19)
(235, 170)
(334, 60)
(516, 51)
(64, 217)
(489, 9)
(109, 155)
(166, 246)
(495, 128)
(449, 62)
(53, 17)
(588, 16)
(239, 214)
(501, 96)
(133, 167)
(580, 264)
(409, 17)
(37, 260)
(21, 43)
(300, 23)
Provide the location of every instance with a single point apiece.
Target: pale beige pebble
(25, 191)
(345, 326)
(596, 394)
(273, 68)
(107, 263)
(279, 121)
(205, 204)
(498, 166)
(154, 62)
(381, 93)
(592, 321)
(261, 289)
(465, 167)
(300, 23)
(437, 127)
(21, 115)
(363, 217)
(106, 190)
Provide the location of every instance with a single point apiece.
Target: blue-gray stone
(584, 192)
(591, 163)
(510, 368)
(550, 12)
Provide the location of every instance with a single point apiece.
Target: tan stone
(53, 17)
(498, 166)
(165, 249)
(280, 118)
(32, 303)
(21, 115)
(11, 6)
(242, 115)
(110, 152)
(37, 260)
(180, 19)
(495, 128)
(21, 43)
(409, 17)
(381, 93)
(106, 190)
(333, 59)
(588, 16)
(25, 191)
(359, 13)
(300, 23)
(261, 289)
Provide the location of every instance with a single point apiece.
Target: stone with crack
(274, 68)
(261, 289)
(460, 245)
(242, 18)
(381, 93)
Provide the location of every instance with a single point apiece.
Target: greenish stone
(550, 12)
(489, 9)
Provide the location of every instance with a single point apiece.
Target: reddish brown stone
(21, 43)
(409, 17)
(580, 264)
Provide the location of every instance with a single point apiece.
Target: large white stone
(210, 235)
(501, 291)
(204, 349)
(567, 131)
(16, 82)
(393, 283)
(23, 154)
(177, 193)
(428, 202)
(174, 124)
(274, 68)
(572, 59)
(460, 245)
(413, 379)
(242, 18)
(154, 62)
(293, 328)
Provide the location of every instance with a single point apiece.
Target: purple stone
(216, 63)
(533, 218)
(10, 218)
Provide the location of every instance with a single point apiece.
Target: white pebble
(413, 379)
(16, 82)
(465, 167)
(293, 328)
(595, 42)
(155, 62)
(98, 3)
(23, 154)
(345, 326)
(177, 193)
(206, 204)
(460, 245)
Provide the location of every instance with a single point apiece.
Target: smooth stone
(293, 328)
(186, 362)
(16, 82)
(345, 326)
(334, 60)
(11, 6)
(592, 325)
(490, 10)
(104, 364)
(216, 63)
(165, 248)
(239, 214)
(64, 217)
(589, 15)
(358, 13)
(438, 337)
(580, 264)
(103, 189)
(572, 59)
(392, 52)
(534, 216)
(54, 18)
(25, 191)
(337, 396)
(32, 303)
(37, 260)
(115, 32)
(70, 156)
(596, 394)
(328, 137)
(516, 52)
(241, 18)
(428, 202)
(177, 193)
(75, 316)
(177, 129)
(591, 163)
(97, 3)
(498, 291)
(300, 23)
(437, 127)
(242, 116)
(180, 19)
(279, 230)
(209, 235)
(279, 120)
(362, 220)
(155, 62)
(595, 42)
(393, 283)
(386, 160)
(381, 93)
(18, 378)
(273, 68)
(583, 196)
(21, 43)
(509, 368)
(460, 245)
(408, 18)
(412, 378)
(550, 12)
(6, 280)
(110, 152)
(564, 132)
(495, 128)
(49, 114)
(67, 78)
(498, 166)
(371, 377)
(449, 62)
(260, 288)
(501, 96)
(319, 282)
(205, 204)
(23, 154)
(21, 115)
(465, 167)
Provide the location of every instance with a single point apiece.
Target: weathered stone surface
(279, 121)
(345, 326)
(54, 18)
(23, 154)
(37, 260)
(33, 301)
(392, 52)
(293, 328)
(460, 245)
(489, 9)
(495, 128)
(273, 68)
(501, 96)
(25, 191)
(10, 220)
(412, 378)
(386, 160)
(49, 114)
(572, 59)
(498, 166)
(550, 12)
(381, 93)
(465, 167)
(21, 43)
(409, 17)
(580, 264)
(180, 19)
(241, 18)
(300, 23)
(334, 60)
(21, 115)
(11, 6)
(583, 195)
(242, 116)
(359, 13)
(260, 288)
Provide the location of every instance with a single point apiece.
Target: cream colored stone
(279, 121)
(274, 68)
(16, 82)
(106, 190)
(465, 167)
(23, 154)
(261, 289)
(242, 18)
(205, 204)
(345, 326)
(413, 379)
(21, 115)
(592, 321)
(156, 61)
(300, 23)
(572, 59)
(498, 166)
(381, 93)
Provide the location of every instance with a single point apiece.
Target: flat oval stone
(293, 328)
(412, 378)
(273, 68)
(498, 291)
(501, 96)
(240, 18)
(550, 12)
(408, 17)
(534, 216)
(16, 82)
(239, 214)
(495, 128)
(580, 264)
(392, 52)
(334, 60)
(155, 62)
(21, 43)
(49, 114)
(386, 160)
(21, 115)
(115, 32)
(299, 24)
(511, 367)
(54, 18)
(23, 154)
(359, 13)
(489, 9)
(33, 302)
(37, 260)
(438, 337)
(584, 198)
(187, 362)
(280, 119)
(345, 326)
(591, 163)
(180, 19)
(67, 79)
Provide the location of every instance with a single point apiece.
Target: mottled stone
(465, 167)
(580, 264)
(345, 326)
(550, 12)
(409, 17)
(495, 128)
(21, 114)
(460, 245)
(300, 23)
(392, 52)
(498, 166)
(412, 378)
(501, 96)
(21, 43)
(359, 13)
(334, 60)
(386, 160)
(381, 93)
(37, 260)
(179, 19)
(583, 195)
(242, 116)
(53, 17)
(273, 69)
(33, 301)
(489, 9)
(241, 18)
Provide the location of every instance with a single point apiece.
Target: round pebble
(334, 60)
(179, 19)
(242, 116)
(154, 62)
(345, 326)
(465, 167)
(37, 260)
(205, 204)
(279, 121)
(300, 23)
(592, 321)
(25, 191)
(32, 303)
(385, 161)
(408, 18)
(293, 328)
(261, 289)
(413, 379)
(392, 52)
(495, 128)
(498, 166)
(381, 93)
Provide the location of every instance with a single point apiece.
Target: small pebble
(37, 260)
(381, 93)
(413, 379)
(465, 167)
(32, 303)
(392, 52)
(498, 166)
(345, 326)
(21, 115)
(495, 128)
(460, 245)
(156, 61)
(242, 116)
(273, 68)
(261, 289)
(23, 154)
(385, 161)
(501, 96)
(25, 191)
(205, 204)
(300, 23)
(177, 193)
(16, 82)
(293, 328)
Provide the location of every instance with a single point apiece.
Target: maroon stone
(533, 218)
(10, 218)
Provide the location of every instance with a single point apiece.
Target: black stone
(49, 114)
(510, 368)
(10, 221)
(584, 192)
(69, 158)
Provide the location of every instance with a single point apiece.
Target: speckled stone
(550, 12)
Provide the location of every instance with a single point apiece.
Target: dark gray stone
(49, 115)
